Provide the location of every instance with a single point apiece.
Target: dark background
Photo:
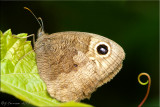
(132, 24)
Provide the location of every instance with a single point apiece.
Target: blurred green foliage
(132, 24)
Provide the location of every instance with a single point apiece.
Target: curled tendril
(144, 83)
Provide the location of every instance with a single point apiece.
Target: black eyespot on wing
(102, 49)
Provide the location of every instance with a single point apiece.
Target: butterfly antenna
(41, 24)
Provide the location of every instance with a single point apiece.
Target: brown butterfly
(74, 64)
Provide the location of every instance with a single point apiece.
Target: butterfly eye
(102, 49)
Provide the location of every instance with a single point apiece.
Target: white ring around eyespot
(103, 43)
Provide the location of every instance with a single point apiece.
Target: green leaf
(19, 73)
(73, 104)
